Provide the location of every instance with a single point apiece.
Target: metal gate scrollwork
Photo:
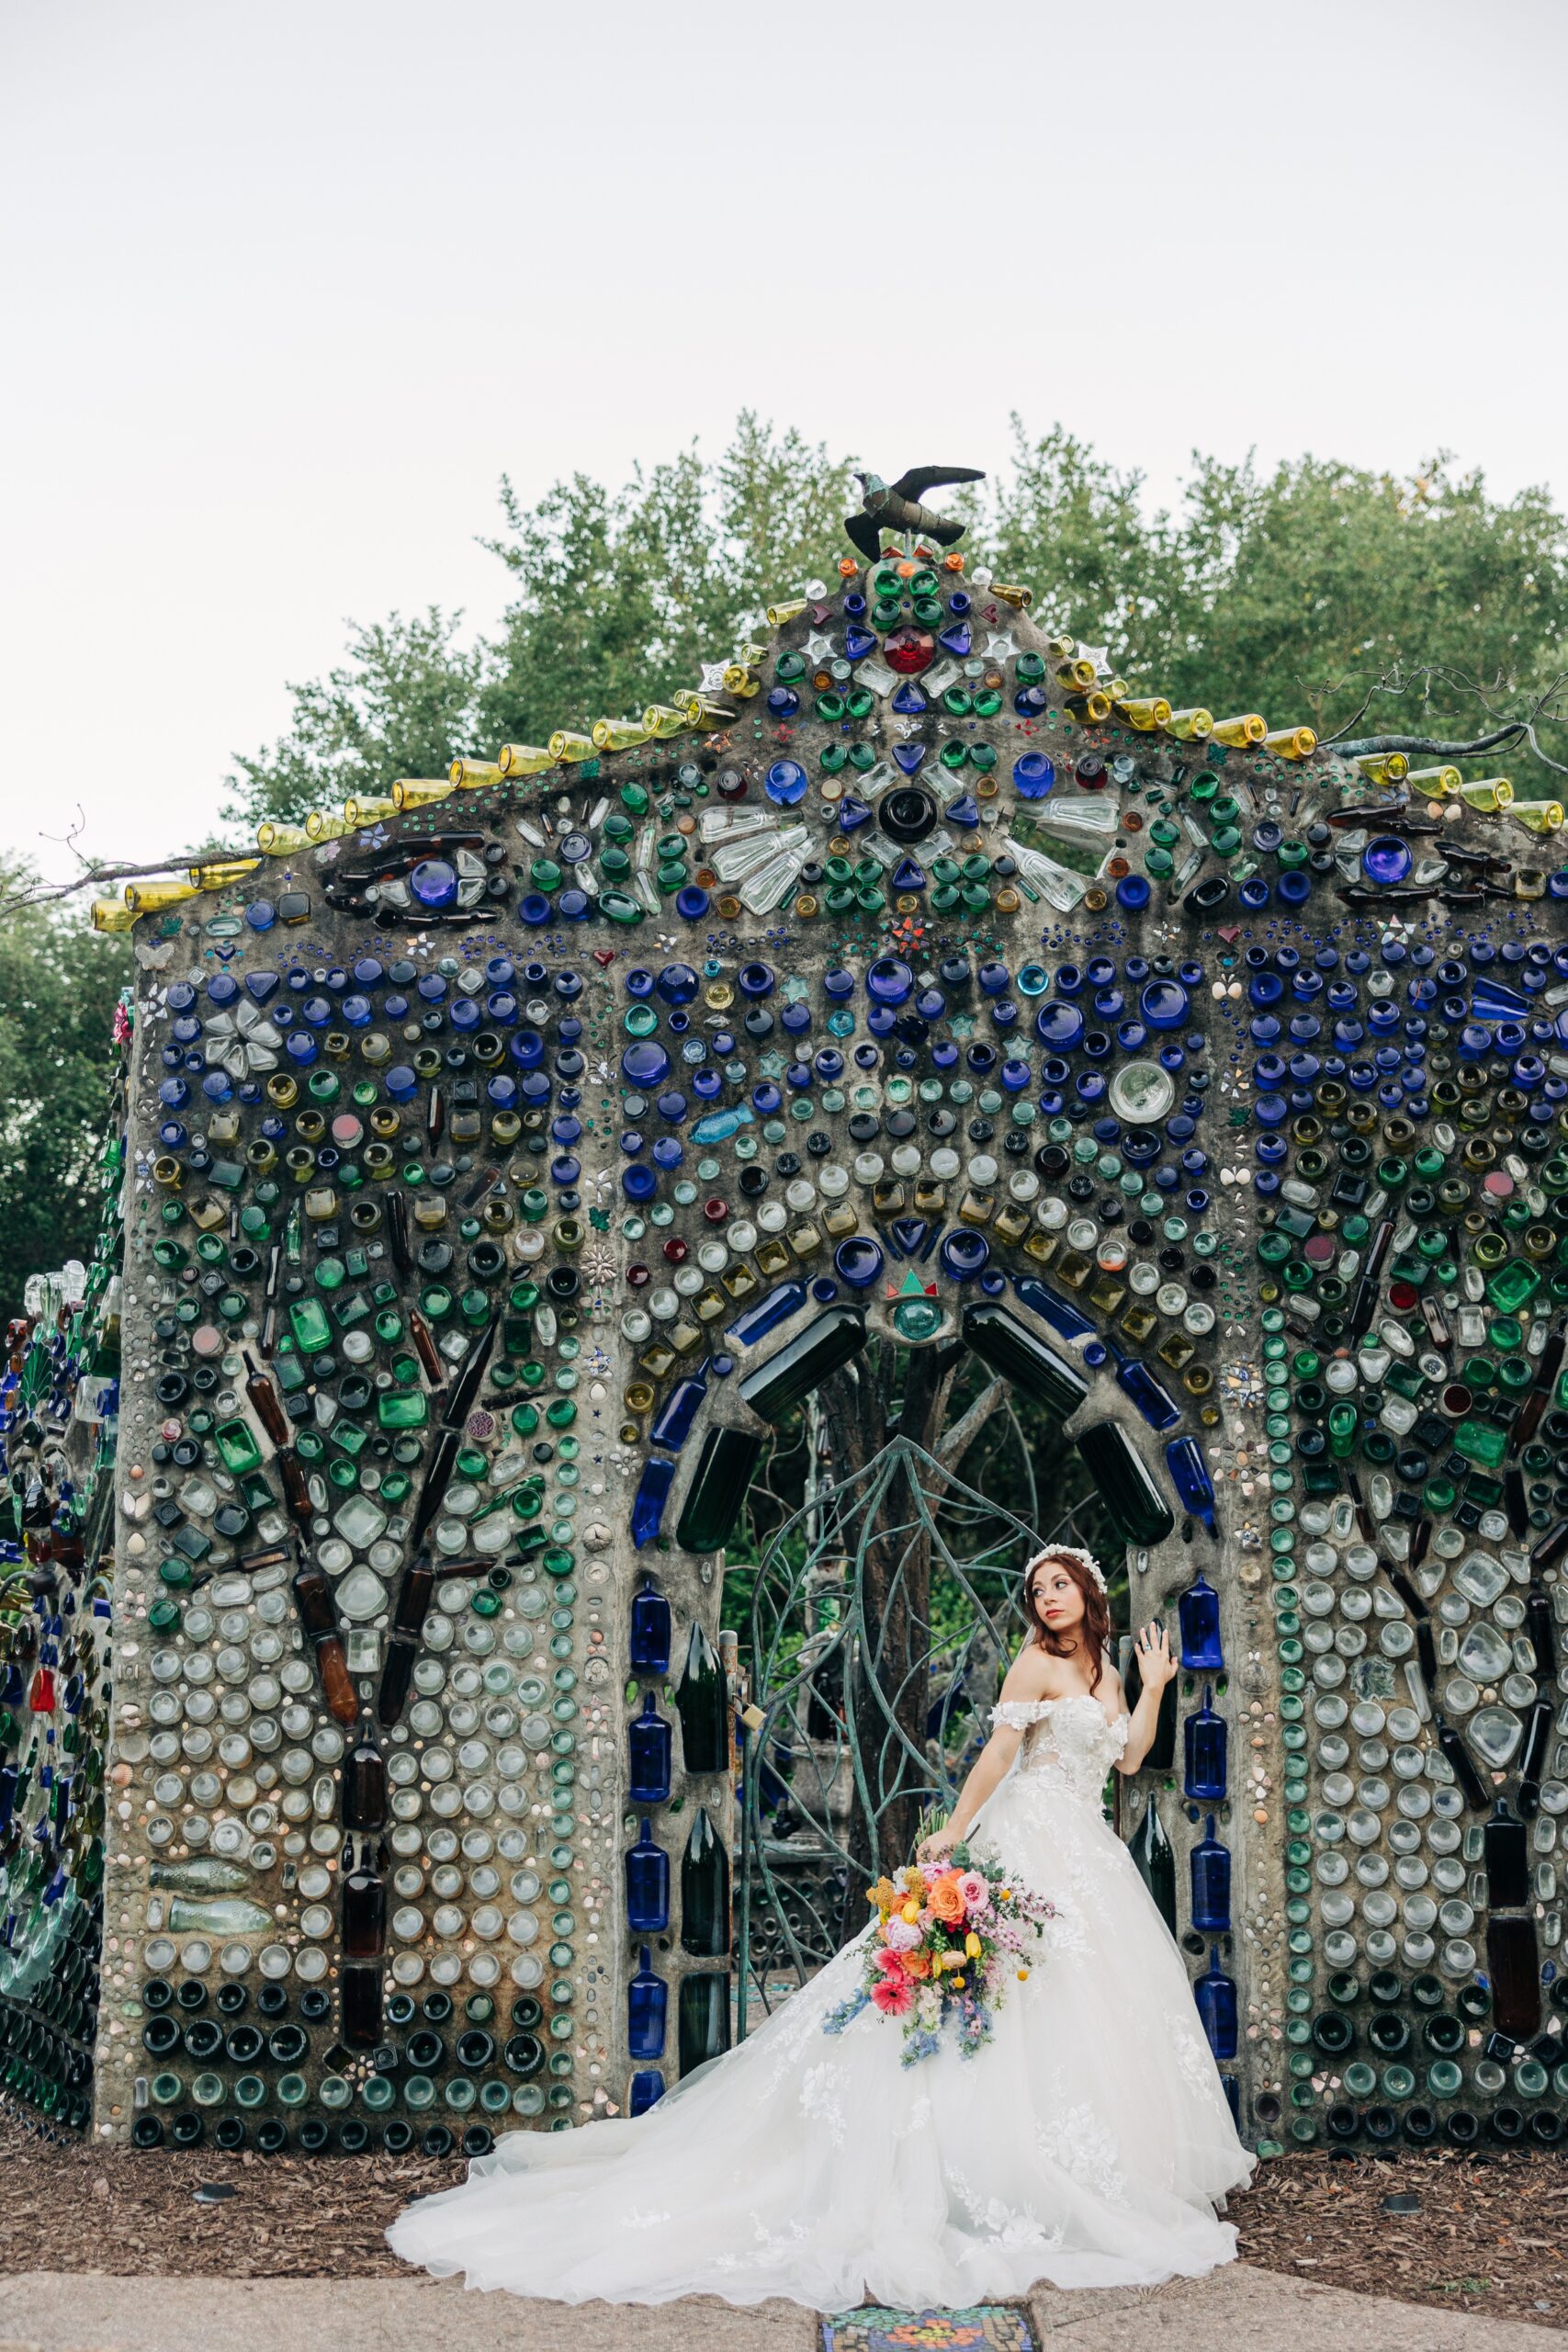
(883, 1614)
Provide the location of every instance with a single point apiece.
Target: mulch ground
(1486, 2234)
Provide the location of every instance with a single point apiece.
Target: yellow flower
(971, 1946)
(1023, 1976)
(958, 1983)
(911, 1912)
(884, 1895)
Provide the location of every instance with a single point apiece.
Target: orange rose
(945, 1900)
(917, 1963)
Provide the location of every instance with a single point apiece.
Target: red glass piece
(908, 651)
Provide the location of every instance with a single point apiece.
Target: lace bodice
(1069, 1738)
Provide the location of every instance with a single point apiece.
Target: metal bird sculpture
(897, 506)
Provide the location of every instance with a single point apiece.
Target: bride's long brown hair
(1096, 1628)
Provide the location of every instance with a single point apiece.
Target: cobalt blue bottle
(1136, 1381)
(763, 1316)
(1211, 1864)
(1216, 1994)
(647, 2010)
(647, 2090)
(1204, 1733)
(1190, 1474)
(1199, 1610)
(652, 1494)
(649, 1741)
(648, 1886)
(650, 1630)
(672, 1423)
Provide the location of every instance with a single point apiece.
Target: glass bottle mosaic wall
(505, 1161)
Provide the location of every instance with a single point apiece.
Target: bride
(1086, 2146)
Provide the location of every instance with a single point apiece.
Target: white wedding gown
(1085, 2145)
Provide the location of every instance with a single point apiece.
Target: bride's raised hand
(1156, 1667)
(932, 1849)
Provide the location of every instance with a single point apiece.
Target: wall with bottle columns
(482, 1159)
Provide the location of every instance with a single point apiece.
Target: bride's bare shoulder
(1032, 1675)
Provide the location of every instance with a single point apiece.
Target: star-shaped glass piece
(1000, 645)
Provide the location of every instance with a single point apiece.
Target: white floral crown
(1068, 1552)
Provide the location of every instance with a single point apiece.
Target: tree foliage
(58, 986)
(1297, 591)
(400, 702)
(618, 598)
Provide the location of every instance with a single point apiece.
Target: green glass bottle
(702, 1701)
(1126, 1487)
(717, 1491)
(803, 1363)
(703, 2030)
(1151, 1850)
(705, 1891)
(1011, 1348)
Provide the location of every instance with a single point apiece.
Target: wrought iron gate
(883, 1612)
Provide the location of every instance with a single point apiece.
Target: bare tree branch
(1513, 729)
(955, 1444)
(1430, 744)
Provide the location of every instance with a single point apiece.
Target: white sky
(286, 288)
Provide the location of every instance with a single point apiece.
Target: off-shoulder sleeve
(1016, 1715)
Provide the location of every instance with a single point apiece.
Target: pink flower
(976, 1893)
(902, 1935)
(894, 1996)
(889, 1962)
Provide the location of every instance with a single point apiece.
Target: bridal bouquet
(944, 1943)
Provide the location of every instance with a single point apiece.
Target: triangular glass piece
(852, 812)
(956, 640)
(909, 756)
(964, 810)
(261, 984)
(911, 1286)
(907, 700)
(908, 1233)
(907, 875)
(858, 642)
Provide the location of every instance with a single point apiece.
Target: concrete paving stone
(66, 2312)
(76, 2312)
(1247, 2307)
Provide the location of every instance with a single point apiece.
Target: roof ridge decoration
(837, 651)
